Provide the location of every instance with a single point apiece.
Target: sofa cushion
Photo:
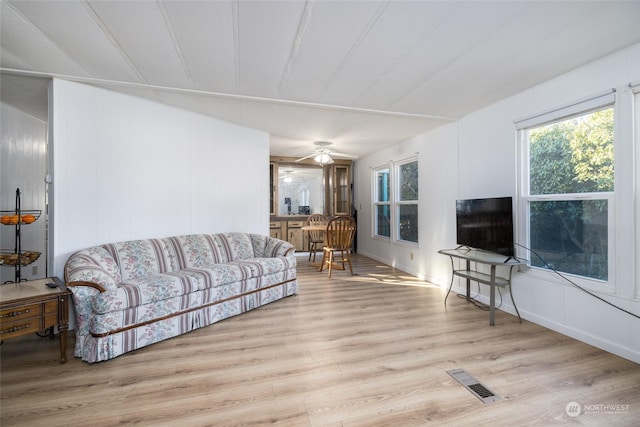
(197, 250)
(234, 246)
(256, 267)
(158, 287)
(140, 258)
(193, 250)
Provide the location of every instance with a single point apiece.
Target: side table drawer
(19, 327)
(18, 321)
(20, 313)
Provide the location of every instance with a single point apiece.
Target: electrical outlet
(34, 270)
(411, 256)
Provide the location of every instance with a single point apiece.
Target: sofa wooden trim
(87, 284)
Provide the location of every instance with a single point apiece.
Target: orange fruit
(13, 219)
(5, 219)
(28, 218)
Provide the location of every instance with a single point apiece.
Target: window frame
(582, 107)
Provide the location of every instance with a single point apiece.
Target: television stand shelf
(482, 257)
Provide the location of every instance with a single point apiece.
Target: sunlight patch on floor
(397, 277)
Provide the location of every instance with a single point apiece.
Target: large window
(395, 201)
(568, 189)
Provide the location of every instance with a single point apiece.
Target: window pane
(408, 225)
(408, 181)
(572, 156)
(383, 220)
(383, 188)
(571, 236)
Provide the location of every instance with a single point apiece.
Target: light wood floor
(367, 350)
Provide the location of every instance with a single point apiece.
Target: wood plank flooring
(367, 350)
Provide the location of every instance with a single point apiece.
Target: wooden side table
(29, 307)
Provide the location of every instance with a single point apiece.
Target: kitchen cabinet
(341, 189)
(296, 236)
(275, 229)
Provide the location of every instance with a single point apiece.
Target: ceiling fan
(324, 155)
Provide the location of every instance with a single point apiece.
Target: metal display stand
(17, 218)
(491, 279)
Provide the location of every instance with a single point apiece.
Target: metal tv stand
(483, 257)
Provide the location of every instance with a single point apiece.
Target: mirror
(300, 190)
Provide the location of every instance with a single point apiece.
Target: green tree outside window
(574, 156)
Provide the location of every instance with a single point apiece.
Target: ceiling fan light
(323, 159)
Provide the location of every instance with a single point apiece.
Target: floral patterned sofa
(130, 294)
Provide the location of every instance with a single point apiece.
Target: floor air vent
(471, 384)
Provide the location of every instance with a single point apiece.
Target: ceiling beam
(238, 97)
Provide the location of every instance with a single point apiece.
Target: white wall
(476, 157)
(127, 168)
(23, 162)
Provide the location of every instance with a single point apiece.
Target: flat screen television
(485, 224)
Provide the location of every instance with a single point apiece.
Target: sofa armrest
(93, 265)
(290, 251)
(270, 247)
(83, 294)
(276, 247)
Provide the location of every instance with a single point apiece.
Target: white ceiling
(362, 74)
